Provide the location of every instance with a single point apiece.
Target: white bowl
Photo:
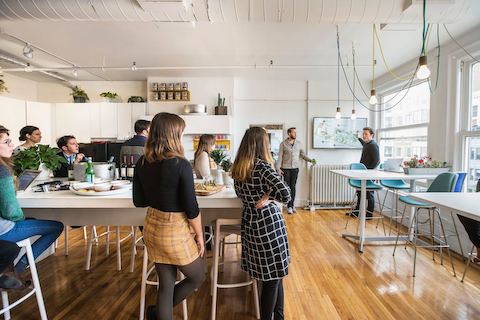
(121, 184)
(82, 185)
(102, 187)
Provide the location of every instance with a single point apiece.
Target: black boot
(151, 313)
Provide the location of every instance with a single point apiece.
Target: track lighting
(134, 66)
(28, 51)
(423, 72)
(28, 68)
(75, 73)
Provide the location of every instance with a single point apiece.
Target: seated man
(134, 146)
(69, 149)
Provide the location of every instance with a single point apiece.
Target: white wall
(20, 88)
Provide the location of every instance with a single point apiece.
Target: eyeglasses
(8, 141)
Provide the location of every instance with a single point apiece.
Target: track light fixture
(75, 73)
(134, 66)
(28, 68)
(28, 51)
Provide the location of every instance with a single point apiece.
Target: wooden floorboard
(328, 279)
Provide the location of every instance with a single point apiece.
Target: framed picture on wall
(332, 133)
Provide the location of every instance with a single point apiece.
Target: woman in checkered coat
(265, 253)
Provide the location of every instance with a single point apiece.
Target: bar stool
(65, 239)
(395, 186)
(6, 306)
(442, 183)
(223, 228)
(357, 185)
(472, 254)
(143, 286)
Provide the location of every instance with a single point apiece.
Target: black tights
(170, 294)
(271, 301)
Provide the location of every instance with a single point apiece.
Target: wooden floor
(328, 279)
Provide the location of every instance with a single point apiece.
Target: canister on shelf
(162, 86)
(177, 86)
(154, 86)
(170, 95)
(178, 95)
(170, 86)
(163, 95)
(184, 85)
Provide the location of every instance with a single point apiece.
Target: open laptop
(26, 179)
(393, 165)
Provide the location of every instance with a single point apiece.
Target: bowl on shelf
(195, 109)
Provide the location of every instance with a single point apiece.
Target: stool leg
(143, 284)
(415, 237)
(5, 304)
(65, 234)
(95, 234)
(107, 241)
(134, 249)
(215, 272)
(184, 302)
(458, 236)
(256, 299)
(36, 283)
(446, 243)
(89, 249)
(432, 231)
(119, 250)
(468, 263)
(398, 231)
(84, 232)
(381, 214)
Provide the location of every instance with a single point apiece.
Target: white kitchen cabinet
(13, 116)
(73, 119)
(210, 124)
(124, 121)
(108, 120)
(40, 114)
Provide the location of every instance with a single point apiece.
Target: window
(404, 125)
(472, 124)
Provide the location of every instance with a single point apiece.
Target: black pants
(8, 252)
(473, 229)
(290, 176)
(370, 202)
(271, 300)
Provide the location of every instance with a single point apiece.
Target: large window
(404, 125)
(472, 132)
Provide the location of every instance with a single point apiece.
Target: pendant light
(423, 72)
(373, 94)
(338, 114)
(354, 114)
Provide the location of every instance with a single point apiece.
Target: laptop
(393, 165)
(26, 179)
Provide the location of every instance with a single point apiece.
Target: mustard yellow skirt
(168, 238)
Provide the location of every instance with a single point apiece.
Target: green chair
(445, 182)
(395, 186)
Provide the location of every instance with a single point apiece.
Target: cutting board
(216, 189)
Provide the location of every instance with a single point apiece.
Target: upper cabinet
(73, 119)
(207, 124)
(40, 114)
(13, 117)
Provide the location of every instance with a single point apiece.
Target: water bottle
(89, 172)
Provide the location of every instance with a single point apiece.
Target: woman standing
(31, 135)
(13, 226)
(265, 253)
(163, 182)
(202, 162)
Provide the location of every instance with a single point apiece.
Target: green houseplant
(424, 165)
(39, 157)
(226, 166)
(79, 95)
(218, 156)
(109, 96)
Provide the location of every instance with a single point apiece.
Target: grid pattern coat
(265, 252)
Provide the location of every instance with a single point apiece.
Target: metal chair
(395, 186)
(7, 306)
(445, 182)
(472, 253)
(357, 185)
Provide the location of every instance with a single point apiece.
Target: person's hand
(280, 172)
(360, 134)
(263, 202)
(79, 157)
(314, 162)
(200, 244)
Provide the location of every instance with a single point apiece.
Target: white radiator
(329, 189)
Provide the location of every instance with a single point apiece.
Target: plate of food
(202, 189)
(100, 189)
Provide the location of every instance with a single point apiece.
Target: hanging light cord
(338, 69)
(353, 77)
(424, 33)
(432, 90)
(459, 45)
(373, 56)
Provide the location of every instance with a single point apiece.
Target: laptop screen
(26, 178)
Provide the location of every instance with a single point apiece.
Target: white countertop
(381, 175)
(465, 204)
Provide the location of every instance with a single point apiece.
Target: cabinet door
(139, 110)
(13, 117)
(39, 114)
(73, 119)
(108, 120)
(124, 123)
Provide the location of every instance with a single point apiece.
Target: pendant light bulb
(373, 97)
(423, 72)
(354, 115)
(194, 24)
(75, 73)
(134, 66)
(28, 68)
(338, 115)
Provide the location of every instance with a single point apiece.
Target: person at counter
(265, 252)
(31, 135)
(136, 145)
(69, 150)
(202, 163)
(13, 226)
(163, 182)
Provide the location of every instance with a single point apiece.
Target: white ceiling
(297, 35)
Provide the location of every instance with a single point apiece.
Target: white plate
(102, 193)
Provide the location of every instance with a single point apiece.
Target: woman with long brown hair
(163, 182)
(202, 163)
(265, 253)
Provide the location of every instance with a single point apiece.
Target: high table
(364, 176)
(464, 204)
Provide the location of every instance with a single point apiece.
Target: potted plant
(40, 157)
(226, 166)
(220, 109)
(79, 95)
(109, 96)
(424, 165)
(218, 156)
(136, 99)
(3, 87)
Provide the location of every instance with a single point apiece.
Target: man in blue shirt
(134, 146)
(69, 150)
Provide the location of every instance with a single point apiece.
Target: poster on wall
(332, 133)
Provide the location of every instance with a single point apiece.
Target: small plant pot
(227, 179)
(79, 99)
(417, 171)
(221, 110)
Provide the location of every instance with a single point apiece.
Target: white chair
(223, 228)
(118, 241)
(145, 281)
(36, 287)
(65, 234)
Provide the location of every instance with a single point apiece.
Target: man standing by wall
(371, 159)
(291, 150)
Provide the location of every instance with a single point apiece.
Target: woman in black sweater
(163, 182)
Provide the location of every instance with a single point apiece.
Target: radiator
(329, 189)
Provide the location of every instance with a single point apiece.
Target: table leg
(363, 200)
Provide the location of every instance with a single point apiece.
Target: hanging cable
(459, 45)
(438, 63)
